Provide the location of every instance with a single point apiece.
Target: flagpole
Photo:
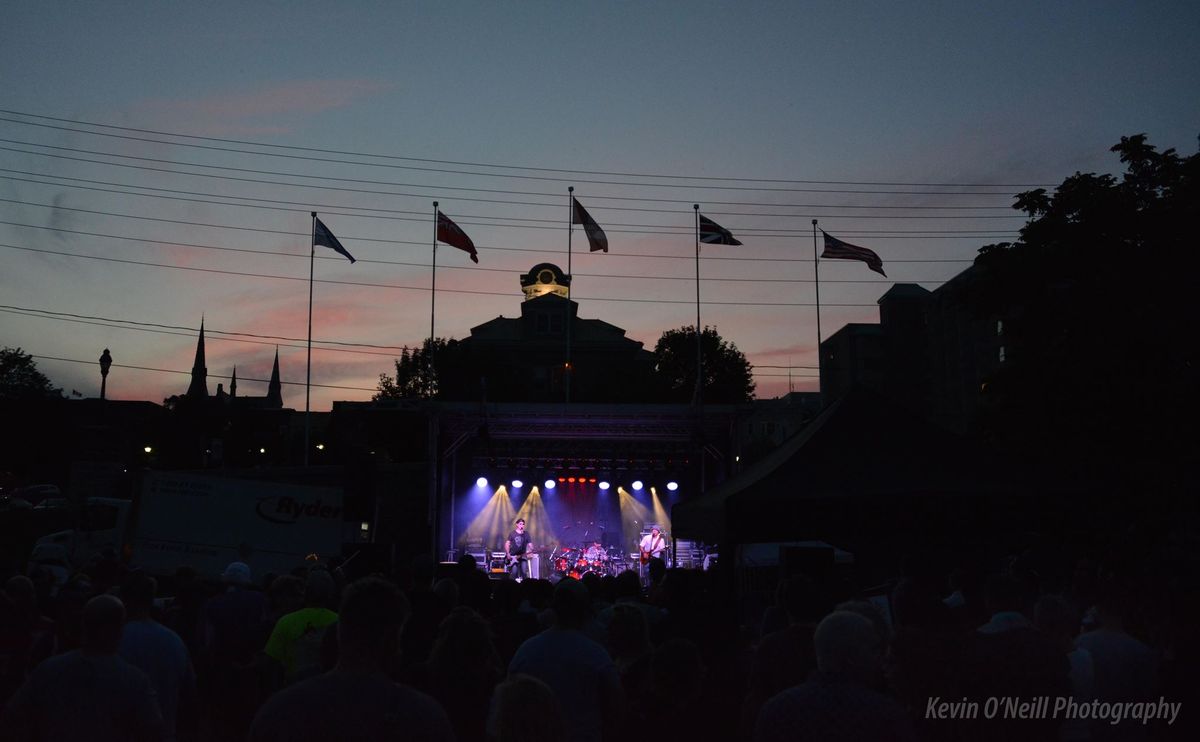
(817, 283)
(432, 305)
(699, 352)
(312, 252)
(570, 278)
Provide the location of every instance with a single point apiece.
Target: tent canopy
(862, 447)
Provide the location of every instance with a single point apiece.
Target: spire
(274, 389)
(233, 383)
(199, 385)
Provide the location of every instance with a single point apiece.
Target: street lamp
(105, 364)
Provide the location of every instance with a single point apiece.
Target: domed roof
(545, 278)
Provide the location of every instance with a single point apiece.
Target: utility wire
(413, 288)
(453, 162)
(506, 271)
(216, 376)
(191, 332)
(918, 207)
(365, 181)
(405, 242)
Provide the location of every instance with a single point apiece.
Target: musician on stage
(516, 551)
(652, 546)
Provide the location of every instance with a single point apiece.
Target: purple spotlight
(603, 485)
(637, 485)
(517, 484)
(550, 484)
(672, 486)
(481, 482)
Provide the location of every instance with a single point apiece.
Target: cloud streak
(255, 112)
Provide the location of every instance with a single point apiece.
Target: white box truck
(205, 522)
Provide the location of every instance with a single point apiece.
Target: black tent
(864, 471)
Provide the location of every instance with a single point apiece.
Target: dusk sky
(902, 127)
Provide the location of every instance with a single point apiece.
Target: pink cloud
(252, 111)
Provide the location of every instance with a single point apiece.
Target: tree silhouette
(727, 377)
(1098, 299)
(20, 378)
(420, 372)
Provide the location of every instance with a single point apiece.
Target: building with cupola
(549, 353)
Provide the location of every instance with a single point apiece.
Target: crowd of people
(436, 653)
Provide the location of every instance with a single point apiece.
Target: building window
(1002, 354)
(999, 327)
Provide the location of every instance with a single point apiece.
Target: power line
(217, 376)
(396, 286)
(524, 203)
(506, 271)
(458, 162)
(364, 181)
(155, 327)
(192, 331)
(522, 222)
(426, 244)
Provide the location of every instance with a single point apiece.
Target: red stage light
(571, 480)
(562, 479)
(592, 480)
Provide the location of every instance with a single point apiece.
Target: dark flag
(322, 236)
(597, 240)
(712, 233)
(452, 235)
(835, 248)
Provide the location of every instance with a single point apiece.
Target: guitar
(646, 555)
(512, 559)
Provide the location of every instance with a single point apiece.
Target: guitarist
(652, 546)
(517, 551)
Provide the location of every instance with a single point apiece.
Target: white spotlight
(549, 483)
(517, 484)
(637, 485)
(603, 485)
(481, 482)
(672, 486)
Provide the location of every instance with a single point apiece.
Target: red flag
(452, 235)
(835, 248)
(597, 240)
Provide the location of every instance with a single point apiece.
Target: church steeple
(233, 383)
(199, 385)
(275, 389)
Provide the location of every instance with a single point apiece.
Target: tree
(419, 371)
(1098, 299)
(20, 378)
(727, 376)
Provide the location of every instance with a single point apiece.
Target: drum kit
(577, 561)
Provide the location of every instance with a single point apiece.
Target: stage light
(672, 486)
(549, 483)
(592, 480)
(604, 485)
(637, 485)
(481, 482)
(517, 484)
(571, 480)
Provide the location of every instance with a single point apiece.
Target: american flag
(835, 248)
(712, 233)
(452, 235)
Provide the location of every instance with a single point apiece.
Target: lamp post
(105, 363)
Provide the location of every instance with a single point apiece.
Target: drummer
(596, 552)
